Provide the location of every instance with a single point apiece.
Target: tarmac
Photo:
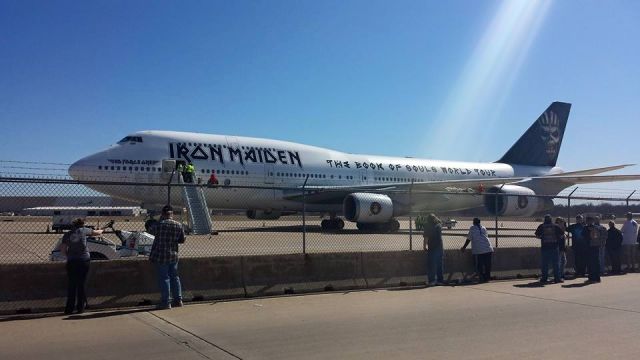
(24, 239)
(498, 320)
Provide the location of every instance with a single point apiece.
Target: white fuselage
(244, 161)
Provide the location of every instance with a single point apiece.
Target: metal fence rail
(27, 234)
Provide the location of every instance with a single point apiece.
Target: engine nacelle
(367, 208)
(264, 214)
(516, 201)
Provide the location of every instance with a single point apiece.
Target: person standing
(435, 251)
(592, 233)
(481, 250)
(190, 170)
(579, 246)
(603, 241)
(74, 248)
(614, 247)
(550, 235)
(164, 255)
(629, 245)
(562, 245)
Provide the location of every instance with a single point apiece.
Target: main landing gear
(332, 224)
(392, 225)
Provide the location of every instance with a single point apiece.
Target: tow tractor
(132, 244)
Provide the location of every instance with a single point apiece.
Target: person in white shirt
(481, 250)
(629, 244)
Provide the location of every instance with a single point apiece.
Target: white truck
(132, 244)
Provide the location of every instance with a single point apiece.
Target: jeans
(593, 266)
(563, 263)
(77, 270)
(483, 266)
(434, 265)
(601, 254)
(580, 256)
(630, 255)
(615, 256)
(168, 277)
(550, 256)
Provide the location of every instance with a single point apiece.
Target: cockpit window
(131, 139)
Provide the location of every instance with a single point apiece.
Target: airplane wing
(335, 194)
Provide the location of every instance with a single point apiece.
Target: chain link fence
(35, 212)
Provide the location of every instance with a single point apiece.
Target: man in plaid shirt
(164, 255)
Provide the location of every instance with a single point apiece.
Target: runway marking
(555, 300)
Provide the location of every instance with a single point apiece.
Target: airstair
(199, 218)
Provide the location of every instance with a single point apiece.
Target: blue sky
(451, 80)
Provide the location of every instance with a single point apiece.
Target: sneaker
(432, 283)
(177, 303)
(560, 281)
(163, 307)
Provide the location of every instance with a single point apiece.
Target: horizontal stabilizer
(594, 171)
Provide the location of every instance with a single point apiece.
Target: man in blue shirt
(579, 246)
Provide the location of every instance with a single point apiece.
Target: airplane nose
(75, 170)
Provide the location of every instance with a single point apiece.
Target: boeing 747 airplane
(370, 190)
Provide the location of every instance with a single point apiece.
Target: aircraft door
(168, 166)
(268, 174)
(364, 177)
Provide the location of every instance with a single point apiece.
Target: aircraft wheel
(339, 224)
(394, 225)
(325, 225)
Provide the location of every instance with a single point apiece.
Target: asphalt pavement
(499, 320)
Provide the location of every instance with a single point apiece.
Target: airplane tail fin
(540, 145)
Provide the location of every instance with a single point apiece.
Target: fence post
(569, 211)
(304, 215)
(410, 216)
(628, 197)
(496, 211)
(169, 187)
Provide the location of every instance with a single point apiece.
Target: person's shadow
(578, 285)
(535, 284)
(103, 314)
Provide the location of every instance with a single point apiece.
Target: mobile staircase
(199, 217)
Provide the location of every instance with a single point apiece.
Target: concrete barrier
(42, 287)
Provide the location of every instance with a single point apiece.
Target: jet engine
(367, 208)
(515, 201)
(264, 214)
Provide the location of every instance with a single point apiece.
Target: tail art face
(551, 136)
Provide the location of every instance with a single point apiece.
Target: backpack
(549, 235)
(594, 236)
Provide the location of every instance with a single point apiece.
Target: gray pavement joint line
(196, 336)
(555, 300)
(177, 341)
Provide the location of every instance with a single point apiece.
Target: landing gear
(332, 224)
(392, 225)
